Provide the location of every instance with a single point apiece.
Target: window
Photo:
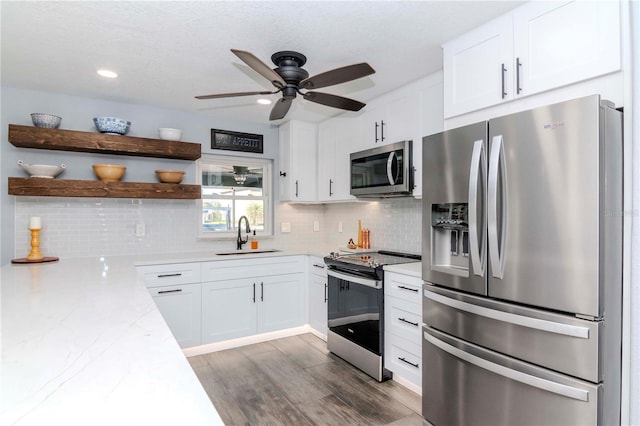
(233, 187)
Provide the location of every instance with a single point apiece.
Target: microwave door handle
(496, 242)
(390, 161)
(527, 379)
(478, 171)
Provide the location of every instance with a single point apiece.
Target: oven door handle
(354, 279)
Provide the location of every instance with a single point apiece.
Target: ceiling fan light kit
(289, 78)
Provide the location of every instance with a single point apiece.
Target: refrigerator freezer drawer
(469, 385)
(555, 341)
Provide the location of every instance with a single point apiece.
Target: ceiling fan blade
(334, 101)
(260, 67)
(231, 95)
(280, 109)
(337, 76)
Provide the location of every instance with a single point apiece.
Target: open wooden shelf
(95, 188)
(74, 140)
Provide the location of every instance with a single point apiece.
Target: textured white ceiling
(169, 51)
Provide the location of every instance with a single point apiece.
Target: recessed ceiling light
(264, 101)
(107, 73)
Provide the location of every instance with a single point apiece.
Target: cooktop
(374, 259)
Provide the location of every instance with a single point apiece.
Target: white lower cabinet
(317, 298)
(402, 326)
(176, 290)
(241, 298)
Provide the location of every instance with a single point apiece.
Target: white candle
(35, 223)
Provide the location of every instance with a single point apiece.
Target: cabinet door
(338, 138)
(370, 124)
(279, 302)
(298, 156)
(180, 307)
(229, 309)
(558, 43)
(318, 297)
(403, 117)
(473, 67)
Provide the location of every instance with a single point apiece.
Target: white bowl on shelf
(42, 170)
(170, 134)
(47, 121)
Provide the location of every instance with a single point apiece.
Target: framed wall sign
(236, 141)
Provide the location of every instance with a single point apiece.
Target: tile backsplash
(82, 227)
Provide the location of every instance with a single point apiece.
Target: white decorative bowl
(48, 121)
(112, 125)
(42, 170)
(170, 134)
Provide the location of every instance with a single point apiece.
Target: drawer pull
(178, 290)
(415, 324)
(416, 365)
(170, 275)
(318, 266)
(415, 290)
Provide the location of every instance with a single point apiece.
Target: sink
(235, 252)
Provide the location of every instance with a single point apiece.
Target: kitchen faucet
(248, 229)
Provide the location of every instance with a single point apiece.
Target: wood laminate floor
(296, 381)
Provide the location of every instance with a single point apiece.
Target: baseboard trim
(244, 341)
(407, 384)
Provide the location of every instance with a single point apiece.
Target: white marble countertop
(84, 344)
(413, 269)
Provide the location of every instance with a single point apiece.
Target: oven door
(355, 309)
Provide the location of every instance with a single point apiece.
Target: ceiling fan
(289, 78)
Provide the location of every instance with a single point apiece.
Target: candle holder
(35, 246)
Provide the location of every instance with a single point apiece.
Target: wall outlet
(140, 230)
(285, 227)
(316, 226)
(340, 226)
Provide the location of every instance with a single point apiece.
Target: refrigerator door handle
(527, 379)
(496, 177)
(521, 320)
(478, 166)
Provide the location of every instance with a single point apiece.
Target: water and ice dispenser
(450, 238)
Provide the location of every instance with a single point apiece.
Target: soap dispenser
(254, 242)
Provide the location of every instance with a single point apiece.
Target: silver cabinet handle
(518, 65)
(521, 320)
(503, 70)
(527, 379)
(169, 275)
(178, 290)
(408, 288)
(416, 365)
(497, 175)
(478, 167)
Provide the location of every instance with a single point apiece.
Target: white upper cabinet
(390, 118)
(536, 47)
(298, 162)
(561, 43)
(477, 67)
(336, 137)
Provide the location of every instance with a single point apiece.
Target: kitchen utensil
(170, 176)
(49, 121)
(109, 172)
(170, 134)
(112, 125)
(42, 170)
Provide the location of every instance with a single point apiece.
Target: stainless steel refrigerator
(522, 263)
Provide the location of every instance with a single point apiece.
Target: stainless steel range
(356, 308)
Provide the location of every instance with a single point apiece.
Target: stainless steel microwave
(384, 171)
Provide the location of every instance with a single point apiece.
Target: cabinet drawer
(403, 287)
(403, 319)
(404, 358)
(317, 267)
(170, 274)
(260, 267)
